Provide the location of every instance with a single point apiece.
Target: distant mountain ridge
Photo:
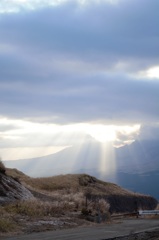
(140, 156)
(136, 166)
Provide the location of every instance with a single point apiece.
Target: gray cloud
(74, 64)
(149, 131)
(6, 127)
(128, 30)
(88, 99)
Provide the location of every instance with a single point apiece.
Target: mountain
(134, 166)
(138, 157)
(72, 159)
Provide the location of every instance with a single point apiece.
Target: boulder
(11, 190)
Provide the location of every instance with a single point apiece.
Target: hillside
(62, 201)
(120, 200)
(134, 166)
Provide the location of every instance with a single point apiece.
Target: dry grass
(14, 215)
(71, 189)
(7, 225)
(18, 175)
(61, 182)
(67, 192)
(36, 208)
(61, 195)
(70, 183)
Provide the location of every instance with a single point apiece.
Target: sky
(74, 69)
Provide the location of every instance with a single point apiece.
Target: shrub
(6, 225)
(37, 208)
(2, 167)
(86, 212)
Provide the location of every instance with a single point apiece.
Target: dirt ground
(130, 229)
(28, 225)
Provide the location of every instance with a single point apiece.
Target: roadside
(153, 235)
(129, 229)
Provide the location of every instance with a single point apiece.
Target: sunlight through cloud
(25, 134)
(14, 6)
(151, 73)
(107, 164)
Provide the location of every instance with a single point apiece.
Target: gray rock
(11, 190)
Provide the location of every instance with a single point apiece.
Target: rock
(130, 203)
(11, 190)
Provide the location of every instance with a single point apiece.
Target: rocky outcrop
(120, 203)
(11, 190)
(119, 199)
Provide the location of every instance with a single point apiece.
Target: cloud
(14, 6)
(23, 134)
(149, 132)
(111, 33)
(5, 127)
(72, 63)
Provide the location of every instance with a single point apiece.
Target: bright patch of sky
(150, 73)
(43, 139)
(28, 152)
(11, 6)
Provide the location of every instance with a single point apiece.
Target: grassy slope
(60, 200)
(71, 182)
(120, 199)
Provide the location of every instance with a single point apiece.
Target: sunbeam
(72, 148)
(107, 166)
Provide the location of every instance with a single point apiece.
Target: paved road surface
(99, 232)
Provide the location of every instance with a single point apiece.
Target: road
(99, 232)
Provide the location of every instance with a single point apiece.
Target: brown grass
(7, 225)
(16, 174)
(61, 195)
(36, 208)
(67, 192)
(71, 188)
(6, 222)
(61, 182)
(70, 183)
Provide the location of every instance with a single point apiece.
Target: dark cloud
(111, 99)
(109, 32)
(74, 64)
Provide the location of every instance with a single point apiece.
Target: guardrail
(137, 214)
(148, 212)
